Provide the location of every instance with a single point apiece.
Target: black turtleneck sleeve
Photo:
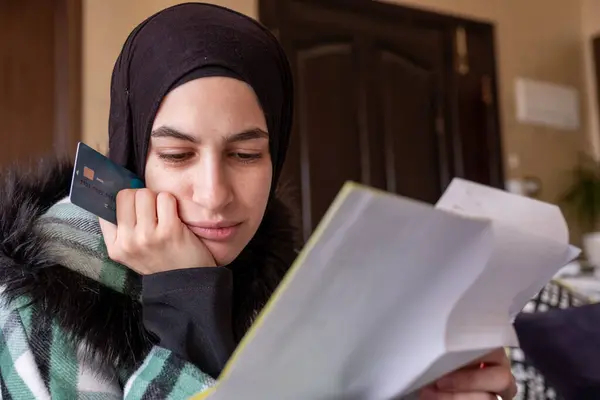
(189, 310)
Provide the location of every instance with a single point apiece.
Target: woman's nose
(212, 189)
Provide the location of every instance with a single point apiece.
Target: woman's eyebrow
(167, 132)
(248, 134)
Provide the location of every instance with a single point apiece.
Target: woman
(201, 103)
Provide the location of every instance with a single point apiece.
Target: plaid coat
(71, 322)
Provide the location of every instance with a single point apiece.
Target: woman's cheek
(165, 180)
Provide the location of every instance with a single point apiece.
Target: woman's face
(210, 149)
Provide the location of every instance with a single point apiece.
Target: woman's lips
(217, 232)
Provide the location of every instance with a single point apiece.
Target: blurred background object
(582, 199)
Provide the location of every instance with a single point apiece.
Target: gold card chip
(88, 173)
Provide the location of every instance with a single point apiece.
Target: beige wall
(541, 39)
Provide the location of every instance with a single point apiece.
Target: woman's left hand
(476, 383)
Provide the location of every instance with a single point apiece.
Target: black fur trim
(109, 322)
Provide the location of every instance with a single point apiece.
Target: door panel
(326, 121)
(408, 96)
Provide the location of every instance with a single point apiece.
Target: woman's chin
(226, 251)
(223, 253)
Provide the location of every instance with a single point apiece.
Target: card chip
(88, 173)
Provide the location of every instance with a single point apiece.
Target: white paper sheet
(390, 294)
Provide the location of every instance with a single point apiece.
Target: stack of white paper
(391, 294)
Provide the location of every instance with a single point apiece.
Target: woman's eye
(246, 157)
(175, 157)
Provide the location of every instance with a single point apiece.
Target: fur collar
(93, 313)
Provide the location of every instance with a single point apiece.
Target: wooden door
(40, 68)
(387, 96)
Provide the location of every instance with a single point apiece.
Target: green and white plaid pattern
(37, 361)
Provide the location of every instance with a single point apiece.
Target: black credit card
(96, 182)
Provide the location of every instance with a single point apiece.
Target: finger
(145, 211)
(498, 357)
(493, 379)
(126, 208)
(166, 209)
(109, 231)
(431, 393)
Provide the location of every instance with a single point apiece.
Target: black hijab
(186, 42)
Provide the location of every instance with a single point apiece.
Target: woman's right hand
(150, 237)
